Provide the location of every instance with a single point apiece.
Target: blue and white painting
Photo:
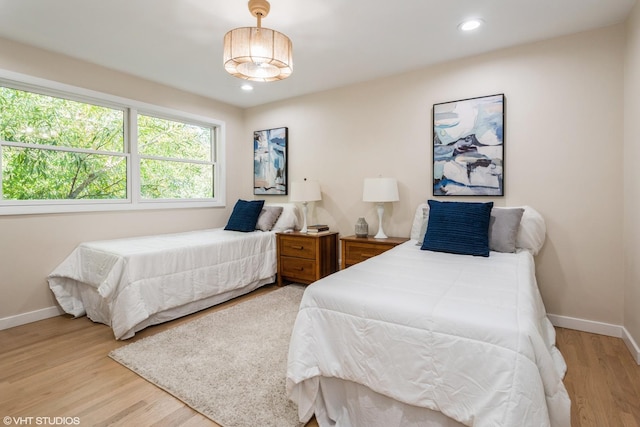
(270, 161)
(468, 147)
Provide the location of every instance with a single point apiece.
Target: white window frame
(131, 109)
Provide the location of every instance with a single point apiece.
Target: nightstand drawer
(300, 269)
(357, 253)
(358, 249)
(299, 247)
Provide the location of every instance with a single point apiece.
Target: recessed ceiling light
(470, 25)
(247, 88)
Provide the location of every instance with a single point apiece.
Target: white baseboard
(32, 316)
(598, 328)
(631, 345)
(586, 325)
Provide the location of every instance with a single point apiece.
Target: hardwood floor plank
(629, 420)
(180, 417)
(117, 418)
(60, 367)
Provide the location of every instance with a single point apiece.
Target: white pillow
(421, 216)
(288, 219)
(532, 232)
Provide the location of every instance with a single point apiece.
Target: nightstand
(305, 258)
(357, 249)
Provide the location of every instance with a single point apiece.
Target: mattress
(125, 282)
(465, 336)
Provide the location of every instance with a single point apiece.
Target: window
(58, 149)
(175, 159)
(61, 150)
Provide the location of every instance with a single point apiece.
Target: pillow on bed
(458, 228)
(245, 215)
(288, 219)
(419, 225)
(503, 229)
(532, 232)
(268, 217)
(423, 225)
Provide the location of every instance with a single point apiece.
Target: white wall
(632, 177)
(564, 120)
(32, 245)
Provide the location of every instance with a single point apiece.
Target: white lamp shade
(380, 190)
(305, 191)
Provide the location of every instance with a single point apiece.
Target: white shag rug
(229, 365)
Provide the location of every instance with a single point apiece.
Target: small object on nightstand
(362, 228)
(317, 228)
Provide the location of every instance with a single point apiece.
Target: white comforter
(467, 336)
(139, 277)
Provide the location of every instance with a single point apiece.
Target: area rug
(229, 365)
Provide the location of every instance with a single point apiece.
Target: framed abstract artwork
(468, 147)
(270, 161)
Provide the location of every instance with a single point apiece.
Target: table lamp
(305, 192)
(380, 190)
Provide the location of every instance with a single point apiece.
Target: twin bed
(426, 338)
(129, 284)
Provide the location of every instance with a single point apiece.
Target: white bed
(419, 338)
(129, 284)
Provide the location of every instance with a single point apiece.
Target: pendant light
(257, 53)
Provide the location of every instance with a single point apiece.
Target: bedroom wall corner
(632, 178)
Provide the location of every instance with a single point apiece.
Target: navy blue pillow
(245, 215)
(458, 228)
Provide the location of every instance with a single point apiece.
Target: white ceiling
(336, 42)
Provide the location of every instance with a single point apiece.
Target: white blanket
(466, 336)
(136, 278)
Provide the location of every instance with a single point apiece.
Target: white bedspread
(466, 336)
(139, 277)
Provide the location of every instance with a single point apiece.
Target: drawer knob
(297, 247)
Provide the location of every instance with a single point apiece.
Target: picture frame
(468, 147)
(270, 161)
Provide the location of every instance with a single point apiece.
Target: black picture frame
(468, 147)
(270, 161)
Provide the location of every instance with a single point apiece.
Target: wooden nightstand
(357, 249)
(305, 258)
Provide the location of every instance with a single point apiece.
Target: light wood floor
(59, 368)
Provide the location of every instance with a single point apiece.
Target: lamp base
(380, 234)
(304, 216)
